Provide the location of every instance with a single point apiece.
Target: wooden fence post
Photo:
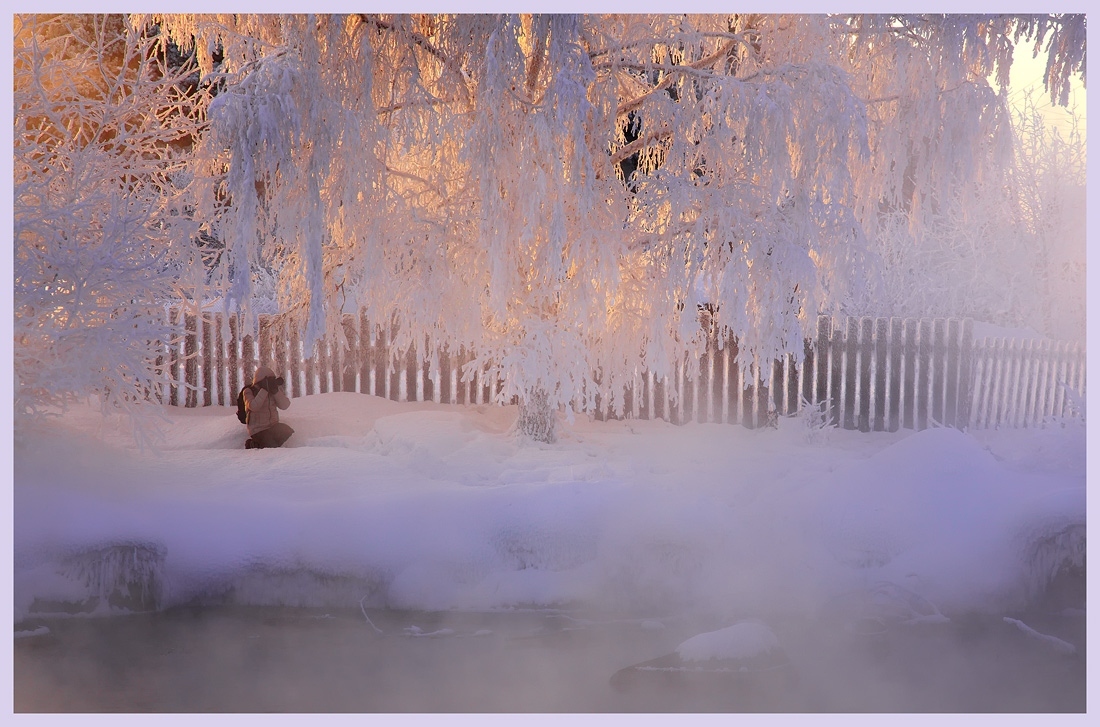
(486, 386)
(999, 388)
(897, 352)
(1026, 394)
(1046, 387)
(966, 370)
(628, 399)
(232, 356)
(938, 369)
(1058, 394)
(700, 389)
(747, 394)
(836, 374)
(851, 371)
(660, 397)
(207, 359)
(321, 365)
(807, 373)
(925, 352)
(411, 374)
(350, 354)
(909, 381)
(1017, 382)
(173, 361)
(993, 380)
(866, 383)
(733, 383)
(794, 371)
(282, 364)
(296, 360)
(763, 392)
(1081, 370)
(248, 356)
(225, 397)
(687, 394)
(428, 367)
(264, 323)
(393, 370)
(191, 359)
(309, 367)
(365, 351)
(881, 386)
(780, 375)
(462, 388)
(676, 394)
(823, 353)
(978, 418)
(446, 390)
(380, 360)
(951, 379)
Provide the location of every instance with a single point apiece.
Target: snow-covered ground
(430, 506)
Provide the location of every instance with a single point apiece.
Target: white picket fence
(871, 374)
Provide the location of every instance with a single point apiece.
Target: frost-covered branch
(103, 241)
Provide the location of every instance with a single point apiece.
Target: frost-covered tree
(101, 117)
(563, 194)
(948, 164)
(1048, 185)
(1008, 248)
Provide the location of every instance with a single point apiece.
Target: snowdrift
(426, 506)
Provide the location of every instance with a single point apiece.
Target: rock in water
(740, 667)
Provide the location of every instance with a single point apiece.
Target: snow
(379, 504)
(1062, 647)
(743, 640)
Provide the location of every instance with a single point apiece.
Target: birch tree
(563, 194)
(100, 241)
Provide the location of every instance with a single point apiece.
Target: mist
(291, 660)
(425, 559)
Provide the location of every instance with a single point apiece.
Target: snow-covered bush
(101, 127)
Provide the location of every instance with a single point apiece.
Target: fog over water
(420, 558)
(259, 660)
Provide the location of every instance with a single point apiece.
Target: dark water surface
(236, 659)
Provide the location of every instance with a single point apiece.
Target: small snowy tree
(1050, 211)
(956, 173)
(100, 243)
(563, 194)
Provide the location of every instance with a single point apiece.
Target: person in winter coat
(262, 402)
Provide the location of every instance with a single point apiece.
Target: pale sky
(1027, 73)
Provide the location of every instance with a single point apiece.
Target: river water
(248, 659)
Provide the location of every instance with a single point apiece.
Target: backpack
(242, 410)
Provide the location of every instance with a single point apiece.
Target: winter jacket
(263, 407)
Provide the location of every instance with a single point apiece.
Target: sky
(1027, 76)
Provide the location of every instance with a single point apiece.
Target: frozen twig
(364, 610)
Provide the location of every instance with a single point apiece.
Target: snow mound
(431, 506)
(743, 640)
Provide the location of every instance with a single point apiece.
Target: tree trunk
(536, 419)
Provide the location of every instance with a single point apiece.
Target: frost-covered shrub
(101, 129)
